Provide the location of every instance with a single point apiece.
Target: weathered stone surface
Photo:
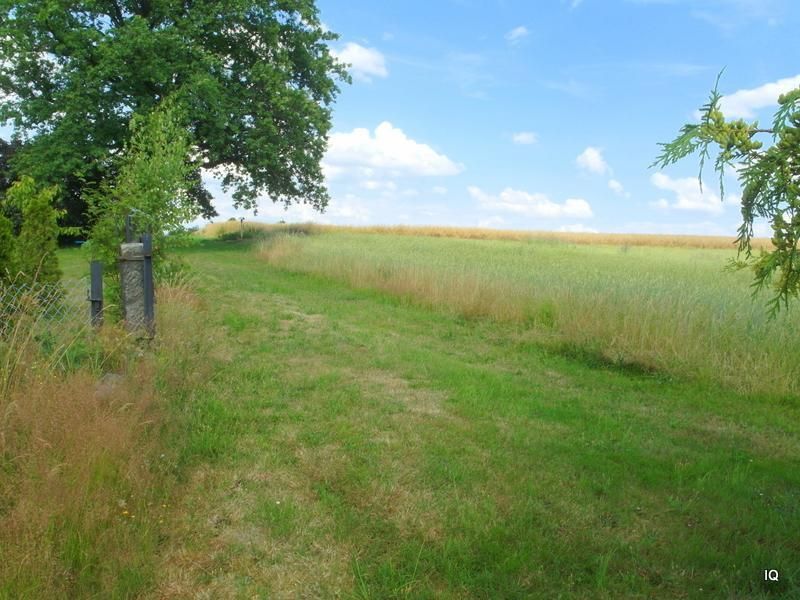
(131, 265)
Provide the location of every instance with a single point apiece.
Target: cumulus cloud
(516, 35)
(744, 103)
(688, 195)
(387, 150)
(525, 137)
(531, 205)
(592, 160)
(365, 63)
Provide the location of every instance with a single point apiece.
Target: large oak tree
(254, 80)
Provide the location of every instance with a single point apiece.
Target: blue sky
(541, 114)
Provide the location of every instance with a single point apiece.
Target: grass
(86, 471)
(672, 310)
(361, 445)
(315, 433)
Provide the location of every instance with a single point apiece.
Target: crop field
(368, 415)
(231, 229)
(668, 309)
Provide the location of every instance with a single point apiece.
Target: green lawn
(353, 443)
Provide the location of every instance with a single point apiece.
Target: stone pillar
(131, 267)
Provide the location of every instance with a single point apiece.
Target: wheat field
(672, 309)
(233, 228)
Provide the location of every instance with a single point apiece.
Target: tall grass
(84, 469)
(672, 310)
(232, 230)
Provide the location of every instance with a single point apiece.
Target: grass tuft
(83, 466)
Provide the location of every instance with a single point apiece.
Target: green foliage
(151, 186)
(7, 249)
(770, 181)
(255, 79)
(38, 238)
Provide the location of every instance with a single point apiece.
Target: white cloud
(592, 160)
(661, 203)
(373, 184)
(689, 196)
(577, 228)
(616, 187)
(389, 150)
(525, 137)
(516, 35)
(365, 63)
(743, 103)
(347, 210)
(439, 189)
(342, 208)
(491, 222)
(531, 205)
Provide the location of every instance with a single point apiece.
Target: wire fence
(55, 311)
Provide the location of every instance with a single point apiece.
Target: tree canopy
(254, 81)
(769, 174)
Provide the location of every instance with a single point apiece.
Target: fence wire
(56, 311)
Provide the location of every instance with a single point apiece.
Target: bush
(7, 247)
(38, 238)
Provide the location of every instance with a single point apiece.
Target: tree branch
(116, 14)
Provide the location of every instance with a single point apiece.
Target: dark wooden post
(96, 293)
(149, 291)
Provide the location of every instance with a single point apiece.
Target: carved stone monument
(131, 266)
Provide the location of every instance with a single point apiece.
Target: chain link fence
(49, 312)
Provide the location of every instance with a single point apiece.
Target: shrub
(38, 238)
(7, 245)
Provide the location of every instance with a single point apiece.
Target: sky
(539, 114)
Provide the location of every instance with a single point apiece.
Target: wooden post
(96, 293)
(149, 290)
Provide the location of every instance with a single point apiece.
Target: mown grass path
(349, 445)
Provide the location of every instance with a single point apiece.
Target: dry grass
(214, 230)
(81, 485)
